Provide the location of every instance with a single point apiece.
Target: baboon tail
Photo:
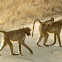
(3, 31)
(34, 24)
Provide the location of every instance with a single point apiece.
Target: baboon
(48, 22)
(16, 35)
(54, 28)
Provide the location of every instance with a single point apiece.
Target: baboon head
(52, 19)
(27, 30)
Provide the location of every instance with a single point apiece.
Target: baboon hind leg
(11, 47)
(40, 38)
(54, 39)
(45, 38)
(3, 44)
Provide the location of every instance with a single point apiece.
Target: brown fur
(48, 22)
(54, 28)
(16, 35)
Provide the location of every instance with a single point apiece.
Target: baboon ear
(30, 29)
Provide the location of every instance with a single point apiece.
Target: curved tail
(34, 24)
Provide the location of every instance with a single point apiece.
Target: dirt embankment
(17, 12)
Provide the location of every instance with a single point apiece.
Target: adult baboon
(16, 35)
(54, 28)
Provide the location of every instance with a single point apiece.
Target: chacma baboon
(16, 35)
(54, 28)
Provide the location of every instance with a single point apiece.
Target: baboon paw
(21, 54)
(15, 54)
(31, 52)
(39, 45)
(51, 45)
(0, 49)
(60, 46)
(47, 45)
(0, 54)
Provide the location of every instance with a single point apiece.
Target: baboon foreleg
(45, 40)
(58, 35)
(39, 40)
(3, 44)
(20, 48)
(27, 47)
